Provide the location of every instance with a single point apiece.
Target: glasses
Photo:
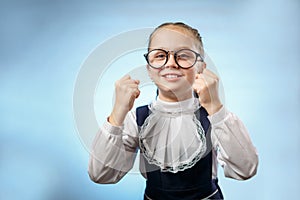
(184, 58)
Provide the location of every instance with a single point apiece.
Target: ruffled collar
(172, 137)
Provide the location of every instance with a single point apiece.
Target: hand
(126, 92)
(206, 85)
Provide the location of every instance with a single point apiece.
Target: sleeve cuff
(114, 130)
(219, 116)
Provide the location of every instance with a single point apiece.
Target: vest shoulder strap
(142, 113)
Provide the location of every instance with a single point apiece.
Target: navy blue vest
(193, 183)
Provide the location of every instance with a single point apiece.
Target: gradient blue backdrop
(254, 44)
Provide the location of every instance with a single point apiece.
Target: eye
(184, 56)
(160, 55)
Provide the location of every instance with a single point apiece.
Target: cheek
(153, 73)
(191, 75)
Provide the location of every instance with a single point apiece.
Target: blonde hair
(184, 27)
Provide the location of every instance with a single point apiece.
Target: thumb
(137, 81)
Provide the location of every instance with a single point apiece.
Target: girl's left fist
(206, 85)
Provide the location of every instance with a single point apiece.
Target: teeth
(171, 76)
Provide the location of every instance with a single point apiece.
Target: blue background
(254, 44)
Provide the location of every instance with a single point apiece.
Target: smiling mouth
(171, 76)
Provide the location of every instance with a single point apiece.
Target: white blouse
(173, 139)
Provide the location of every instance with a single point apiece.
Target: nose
(171, 61)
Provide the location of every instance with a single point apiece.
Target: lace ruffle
(173, 141)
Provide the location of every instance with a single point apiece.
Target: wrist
(213, 108)
(117, 116)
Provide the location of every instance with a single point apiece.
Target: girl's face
(173, 82)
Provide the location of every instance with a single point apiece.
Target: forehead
(172, 39)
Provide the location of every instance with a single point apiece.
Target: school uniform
(194, 182)
(180, 149)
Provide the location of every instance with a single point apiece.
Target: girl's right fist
(127, 91)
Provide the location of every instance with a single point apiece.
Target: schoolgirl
(182, 135)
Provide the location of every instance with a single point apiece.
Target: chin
(179, 93)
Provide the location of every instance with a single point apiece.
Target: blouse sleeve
(235, 151)
(113, 151)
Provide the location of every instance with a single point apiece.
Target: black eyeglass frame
(175, 57)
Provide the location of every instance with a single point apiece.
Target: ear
(204, 65)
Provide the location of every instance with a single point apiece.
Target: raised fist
(206, 85)
(126, 92)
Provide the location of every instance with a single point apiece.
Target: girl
(183, 135)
